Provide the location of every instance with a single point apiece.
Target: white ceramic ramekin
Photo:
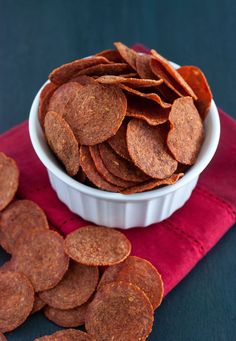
(118, 210)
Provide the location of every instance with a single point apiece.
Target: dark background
(36, 36)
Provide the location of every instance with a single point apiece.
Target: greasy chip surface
(148, 150)
(120, 311)
(95, 154)
(9, 180)
(96, 113)
(18, 218)
(62, 141)
(38, 304)
(41, 258)
(67, 318)
(186, 135)
(106, 69)
(118, 141)
(44, 98)
(132, 82)
(127, 54)
(76, 287)
(197, 81)
(16, 300)
(118, 166)
(111, 55)
(140, 272)
(91, 172)
(67, 335)
(97, 246)
(143, 66)
(65, 72)
(151, 184)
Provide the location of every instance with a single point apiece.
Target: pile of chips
(88, 278)
(123, 121)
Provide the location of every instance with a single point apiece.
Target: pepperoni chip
(38, 304)
(120, 167)
(132, 82)
(94, 151)
(106, 69)
(120, 311)
(62, 141)
(44, 98)
(151, 184)
(147, 110)
(42, 259)
(67, 335)
(91, 172)
(65, 72)
(187, 132)
(127, 54)
(2, 337)
(74, 289)
(118, 141)
(197, 81)
(143, 66)
(18, 218)
(140, 272)
(96, 113)
(83, 80)
(111, 55)
(97, 246)
(9, 180)
(67, 318)
(16, 300)
(148, 150)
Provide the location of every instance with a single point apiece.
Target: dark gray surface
(36, 36)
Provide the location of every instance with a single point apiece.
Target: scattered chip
(127, 54)
(67, 335)
(197, 81)
(120, 167)
(151, 184)
(111, 55)
(38, 304)
(186, 135)
(140, 272)
(143, 66)
(41, 258)
(97, 246)
(148, 150)
(118, 141)
(91, 172)
(16, 300)
(44, 99)
(62, 141)
(106, 69)
(119, 311)
(18, 218)
(65, 72)
(9, 180)
(132, 82)
(76, 287)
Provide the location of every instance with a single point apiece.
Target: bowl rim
(52, 167)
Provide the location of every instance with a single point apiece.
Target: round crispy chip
(198, 82)
(164, 70)
(150, 96)
(147, 110)
(65, 72)
(120, 167)
(76, 287)
(83, 80)
(132, 82)
(140, 272)
(120, 311)
(106, 69)
(16, 300)
(94, 151)
(67, 335)
(41, 258)
(62, 141)
(127, 54)
(67, 318)
(97, 246)
(92, 174)
(143, 66)
(118, 141)
(151, 184)
(148, 150)
(111, 55)
(96, 113)
(2, 337)
(9, 180)
(38, 304)
(44, 99)
(18, 218)
(186, 135)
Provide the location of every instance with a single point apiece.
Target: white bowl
(118, 210)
